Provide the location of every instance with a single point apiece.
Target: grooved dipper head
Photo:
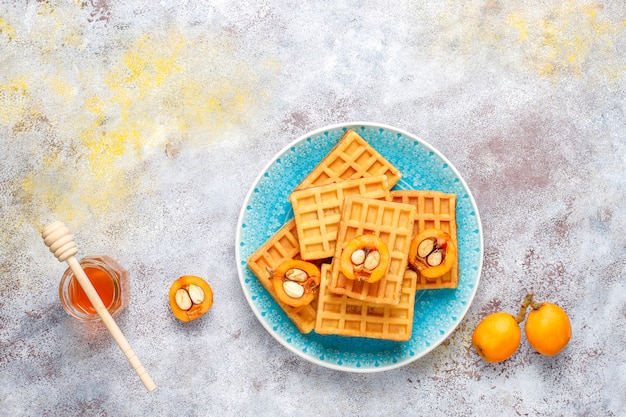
(57, 237)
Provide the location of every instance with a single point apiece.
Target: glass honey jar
(109, 279)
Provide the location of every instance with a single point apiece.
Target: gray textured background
(142, 127)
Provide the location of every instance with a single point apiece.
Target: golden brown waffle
(352, 157)
(317, 211)
(282, 246)
(393, 223)
(434, 210)
(342, 315)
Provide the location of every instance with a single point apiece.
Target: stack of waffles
(348, 194)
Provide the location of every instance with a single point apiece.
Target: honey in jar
(109, 279)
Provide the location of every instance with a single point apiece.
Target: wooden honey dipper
(57, 237)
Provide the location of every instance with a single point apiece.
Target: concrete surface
(142, 126)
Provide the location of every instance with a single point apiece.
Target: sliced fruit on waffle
(435, 210)
(393, 224)
(281, 247)
(317, 211)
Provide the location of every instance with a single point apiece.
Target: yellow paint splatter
(564, 39)
(555, 40)
(6, 30)
(519, 24)
(14, 98)
(164, 88)
(61, 88)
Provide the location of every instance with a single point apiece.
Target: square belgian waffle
(317, 212)
(435, 209)
(393, 224)
(352, 157)
(280, 247)
(342, 315)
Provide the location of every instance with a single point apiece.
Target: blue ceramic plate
(437, 312)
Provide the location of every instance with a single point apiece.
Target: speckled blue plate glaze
(437, 312)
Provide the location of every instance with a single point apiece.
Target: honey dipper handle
(57, 238)
(109, 322)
